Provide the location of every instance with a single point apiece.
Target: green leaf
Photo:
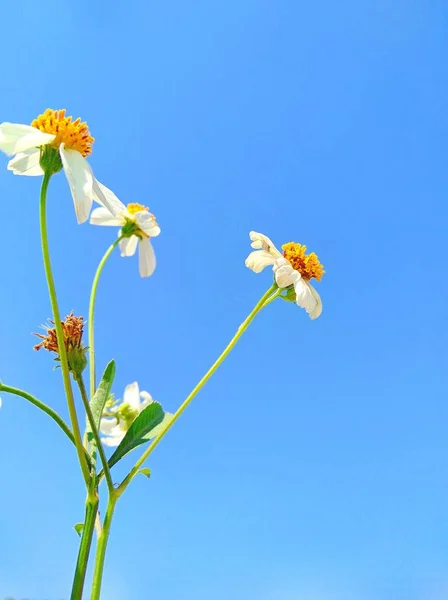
(78, 528)
(145, 471)
(149, 418)
(101, 396)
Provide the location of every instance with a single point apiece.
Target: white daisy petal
(104, 196)
(132, 395)
(128, 246)
(318, 308)
(113, 441)
(146, 399)
(80, 179)
(258, 260)
(101, 216)
(306, 299)
(147, 223)
(285, 275)
(109, 426)
(146, 258)
(26, 163)
(15, 138)
(259, 240)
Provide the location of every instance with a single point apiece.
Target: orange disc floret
(74, 134)
(308, 266)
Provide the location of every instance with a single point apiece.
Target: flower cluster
(55, 142)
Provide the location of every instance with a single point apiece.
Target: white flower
(73, 142)
(292, 268)
(136, 222)
(119, 417)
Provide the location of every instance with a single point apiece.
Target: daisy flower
(137, 224)
(57, 142)
(293, 269)
(118, 417)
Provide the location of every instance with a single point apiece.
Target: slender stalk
(92, 315)
(101, 549)
(82, 388)
(85, 545)
(59, 332)
(272, 293)
(46, 409)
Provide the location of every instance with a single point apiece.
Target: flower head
(53, 142)
(72, 328)
(293, 270)
(137, 225)
(118, 416)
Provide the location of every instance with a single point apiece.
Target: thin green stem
(85, 546)
(82, 388)
(46, 409)
(272, 293)
(92, 315)
(101, 549)
(59, 332)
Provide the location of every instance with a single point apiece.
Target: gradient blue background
(314, 465)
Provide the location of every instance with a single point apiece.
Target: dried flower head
(72, 328)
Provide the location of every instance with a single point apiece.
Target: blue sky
(314, 465)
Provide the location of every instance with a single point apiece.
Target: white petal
(128, 246)
(308, 298)
(132, 395)
(101, 216)
(16, 138)
(113, 441)
(285, 275)
(258, 260)
(146, 399)
(80, 179)
(259, 240)
(147, 223)
(104, 196)
(26, 163)
(318, 308)
(146, 258)
(109, 426)
(158, 428)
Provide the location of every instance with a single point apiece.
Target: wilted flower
(137, 224)
(118, 416)
(293, 270)
(72, 328)
(52, 142)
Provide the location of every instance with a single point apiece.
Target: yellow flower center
(134, 208)
(74, 134)
(308, 266)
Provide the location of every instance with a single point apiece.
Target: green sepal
(50, 160)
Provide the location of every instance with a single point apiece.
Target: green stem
(59, 332)
(272, 293)
(92, 315)
(85, 545)
(101, 548)
(46, 409)
(82, 388)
